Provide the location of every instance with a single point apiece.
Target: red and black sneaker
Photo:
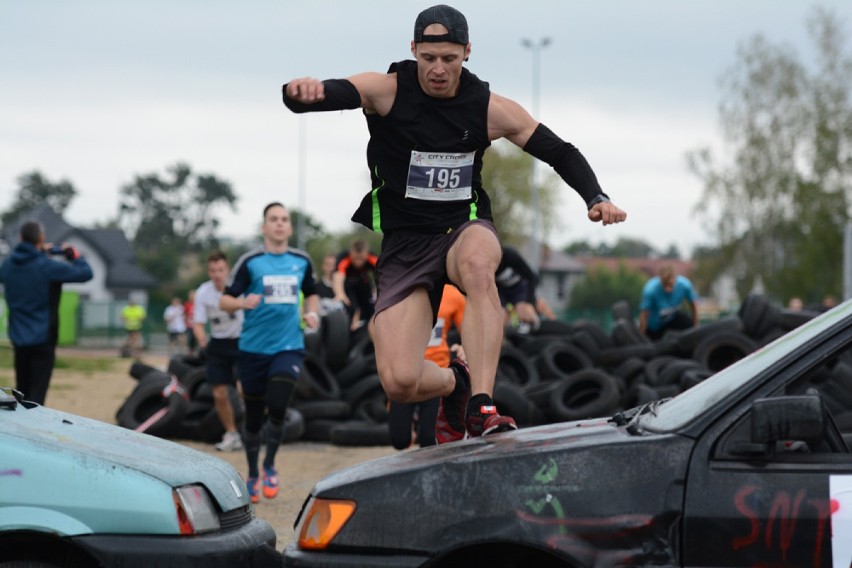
(449, 424)
(486, 420)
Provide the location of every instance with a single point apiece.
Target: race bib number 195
(436, 176)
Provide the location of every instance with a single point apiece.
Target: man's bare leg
(471, 263)
(400, 336)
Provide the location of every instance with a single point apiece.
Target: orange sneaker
(270, 482)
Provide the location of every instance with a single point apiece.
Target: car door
(784, 504)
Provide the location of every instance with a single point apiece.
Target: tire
(600, 337)
(674, 372)
(629, 369)
(717, 352)
(138, 370)
(554, 328)
(319, 430)
(789, 320)
(692, 377)
(511, 401)
(357, 369)
(362, 389)
(589, 393)
(146, 401)
(360, 433)
(316, 381)
(612, 356)
(322, 409)
(558, 360)
(194, 380)
(516, 367)
(294, 425)
(540, 394)
(179, 367)
(625, 333)
(621, 311)
(687, 339)
(335, 339)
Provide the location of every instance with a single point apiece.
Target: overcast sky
(99, 91)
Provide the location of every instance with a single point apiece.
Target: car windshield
(684, 408)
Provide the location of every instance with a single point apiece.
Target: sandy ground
(300, 465)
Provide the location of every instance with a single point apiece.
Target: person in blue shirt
(663, 300)
(33, 285)
(266, 284)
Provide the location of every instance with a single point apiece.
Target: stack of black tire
(560, 372)
(175, 403)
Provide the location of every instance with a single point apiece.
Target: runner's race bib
(440, 176)
(437, 333)
(280, 289)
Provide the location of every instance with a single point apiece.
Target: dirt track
(301, 464)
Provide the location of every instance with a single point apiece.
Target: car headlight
(323, 520)
(195, 511)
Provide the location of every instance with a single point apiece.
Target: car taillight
(195, 511)
(323, 520)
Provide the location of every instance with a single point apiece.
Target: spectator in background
(795, 304)
(221, 347)
(516, 283)
(355, 282)
(189, 314)
(829, 301)
(325, 284)
(33, 286)
(133, 316)
(663, 301)
(175, 326)
(401, 415)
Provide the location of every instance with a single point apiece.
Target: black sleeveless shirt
(425, 157)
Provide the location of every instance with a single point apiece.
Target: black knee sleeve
(278, 395)
(254, 412)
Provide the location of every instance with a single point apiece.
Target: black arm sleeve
(340, 94)
(568, 162)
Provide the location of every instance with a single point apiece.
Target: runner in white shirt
(222, 345)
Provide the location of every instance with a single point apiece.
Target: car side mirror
(782, 418)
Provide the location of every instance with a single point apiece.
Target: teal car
(79, 492)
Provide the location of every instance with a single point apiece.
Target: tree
(506, 179)
(166, 218)
(34, 190)
(778, 208)
(602, 287)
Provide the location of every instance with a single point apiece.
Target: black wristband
(568, 162)
(340, 94)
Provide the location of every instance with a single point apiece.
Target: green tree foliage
(779, 206)
(34, 190)
(602, 288)
(169, 216)
(506, 179)
(624, 247)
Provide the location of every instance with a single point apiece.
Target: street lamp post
(535, 47)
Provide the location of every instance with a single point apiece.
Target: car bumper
(294, 557)
(252, 544)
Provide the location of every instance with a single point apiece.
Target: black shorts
(222, 360)
(411, 260)
(256, 369)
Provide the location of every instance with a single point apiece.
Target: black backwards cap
(448, 17)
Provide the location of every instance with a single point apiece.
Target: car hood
(570, 436)
(571, 485)
(104, 445)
